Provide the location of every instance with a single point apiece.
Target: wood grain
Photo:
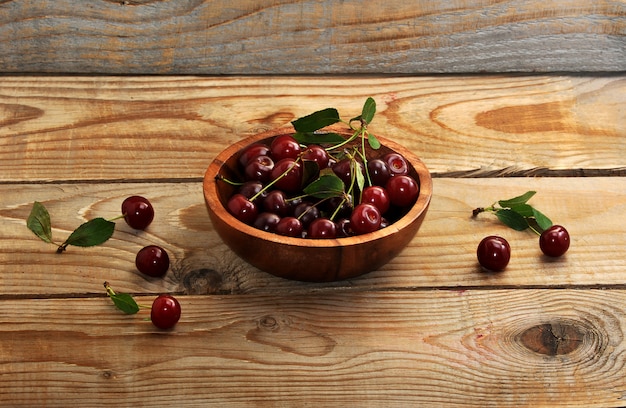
(442, 255)
(99, 128)
(393, 349)
(311, 37)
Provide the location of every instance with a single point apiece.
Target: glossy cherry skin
(291, 181)
(285, 147)
(266, 222)
(242, 208)
(165, 311)
(403, 190)
(290, 227)
(152, 260)
(276, 202)
(318, 154)
(322, 228)
(377, 196)
(250, 188)
(252, 151)
(306, 213)
(493, 253)
(138, 212)
(396, 164)
(378, 171)
(365, 218)
(259, 168)
(343, 169)
(554, 241)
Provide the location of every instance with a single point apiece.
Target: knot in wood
(202, 282)
(553, 339)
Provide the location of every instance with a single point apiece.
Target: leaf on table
(39, 222)
(543, 221)
(517, 200)
(512, 219)
(90, 233)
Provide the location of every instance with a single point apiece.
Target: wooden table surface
(427, 329)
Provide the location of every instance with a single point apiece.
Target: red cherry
(493, 253)
(266, 221)
(152, 260)
(285, 147)
(377, 196)
(165, 311)
(322, 228)
(138, 212)
(317, 154)
(242, 208)
(288, 175)
(554, 241)
(364, 219)
(378, 171)
(396, 163)
(259, 168)
(290, 227)
(252, 151)
(403, 190)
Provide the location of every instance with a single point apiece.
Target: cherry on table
(165, 311)
(138, 212)
(152, 260)
(554, 241)
(494, 253)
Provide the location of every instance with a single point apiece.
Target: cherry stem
(270, 184)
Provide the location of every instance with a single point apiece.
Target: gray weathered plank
(307, 36)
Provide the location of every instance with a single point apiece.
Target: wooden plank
(442, 255)
(505, 348)
(87, 128)
(304, 37)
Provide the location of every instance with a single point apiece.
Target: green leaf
(327, 186)
(512, 219)
(373, 141)
(524, 210)
(369, 109)
(517, 200)
(543, 221)
(90, 233)
(39, 222)
(318, 138)
(125, 302)
(316, 120)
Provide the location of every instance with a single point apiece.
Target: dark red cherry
(493, 253)
(318, 154)
(242, 208)
(403, 190)
(285, 147)
(343, 170)
(378, 171)
(322, 228)
(396, 163)
(288, 175)
(138, 212)
(165, 311)
(290, 227)
(554, 241)
(377, 196)
(364, 219)
(250, 188)
(252, 151)
(266, 222)
(259, 168)
(152, 260)
(276, 202)
(306, 213)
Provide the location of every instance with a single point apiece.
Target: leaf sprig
(123, 301)
(517, 214)
(90, 233)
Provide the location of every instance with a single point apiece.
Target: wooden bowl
(314, 260)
